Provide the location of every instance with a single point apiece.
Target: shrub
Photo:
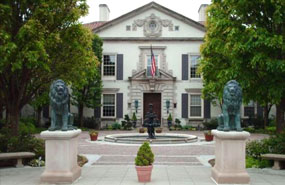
(169, 117)
(37, 163)
(177, 125)
(177, 121)
(27, 128)
(254, 149)
(145, 156)
(134, 118)
(257, 123)
(187, 127)
(212, 124)
(126, 124)
(256, 163)
(116, 126)
(88, 122)
(24, 142)
(81, 160)
(109, 127)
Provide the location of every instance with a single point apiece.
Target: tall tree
(40, 41)
(245, 41)
(89, 95)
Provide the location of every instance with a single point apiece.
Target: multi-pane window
(108, 105)
(249, 109)
(148, 71)
(109, 65)
(195, 105)
(194, 62)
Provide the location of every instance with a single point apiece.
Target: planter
(141, 130)
(209, 137)
(158, 131)
(93, 137)
(144, 173)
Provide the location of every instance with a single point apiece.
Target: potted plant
(134, 119)
(208, 135)
(208, 126)
(93, 135)
(144, 161)
(141, 130)
(158, 130)
(169, 121)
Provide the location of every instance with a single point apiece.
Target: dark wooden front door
(155, 100)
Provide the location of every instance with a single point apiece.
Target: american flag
(153, 66)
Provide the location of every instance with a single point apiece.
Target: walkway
(126, 175)
(112, 164)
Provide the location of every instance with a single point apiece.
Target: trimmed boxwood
(145, 157)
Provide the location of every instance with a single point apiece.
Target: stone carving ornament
(152, 25)
(232, 99)
(61, 119)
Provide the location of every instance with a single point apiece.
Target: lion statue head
(59, 92)
(232, 97)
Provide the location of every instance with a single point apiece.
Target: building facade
(128, 85)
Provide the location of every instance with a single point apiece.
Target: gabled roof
(147, 7)
(93, 25)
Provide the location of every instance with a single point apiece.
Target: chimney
(202, 13)
(103, 12)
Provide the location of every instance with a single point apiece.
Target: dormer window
(128, 28)
(176, 28)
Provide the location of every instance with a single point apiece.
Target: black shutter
(207, 109)
(120, 66)
(185, 67)
(184, 104)
(259, 111)
(119, 105)
(97, 112)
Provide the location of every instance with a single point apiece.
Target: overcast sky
(188, 8)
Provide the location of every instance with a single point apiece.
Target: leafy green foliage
(127, 124)
(245, 41)
(256, 163)
(41, 41)
(134, 118)
(116, 126)
(275, 144)
(212, 124)
(169, 117)
(25, 142)
(145, 157)
(88, 94)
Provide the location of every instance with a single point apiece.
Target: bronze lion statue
(61, 119)
(232, 99)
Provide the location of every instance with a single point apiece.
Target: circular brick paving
(191, 154)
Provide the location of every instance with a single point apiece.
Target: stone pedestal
(61, 156)
(230, 158)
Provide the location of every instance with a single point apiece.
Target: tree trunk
(1, 111)
(280, 122)
(13, 119)
(7, 116)
(266, 110)
(80, 114)
(39, 116)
